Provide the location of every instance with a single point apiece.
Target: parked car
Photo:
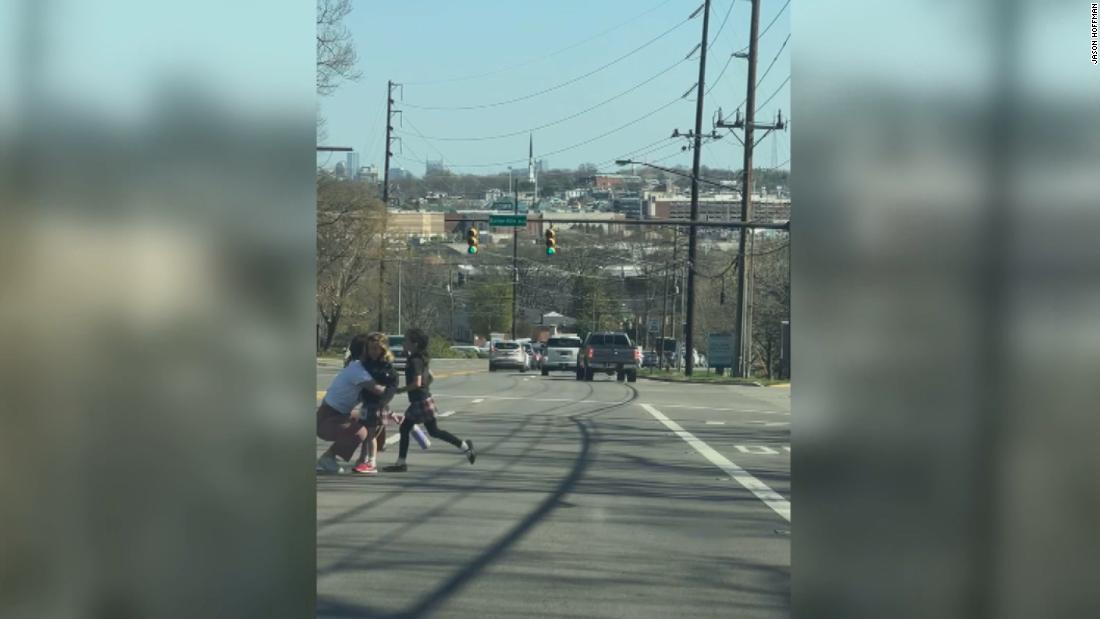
(609, 352)
(466, 350)
(397, 347)
(508, 354)
(533, 355)
(649, 359)
(561, 354)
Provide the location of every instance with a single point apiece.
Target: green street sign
(508, 221)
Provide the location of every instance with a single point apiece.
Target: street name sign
(508, 221)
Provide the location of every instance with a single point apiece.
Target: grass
(701, 376)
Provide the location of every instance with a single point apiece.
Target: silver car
(508, 355)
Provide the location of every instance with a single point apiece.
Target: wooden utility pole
(689, 326)
(742, 351)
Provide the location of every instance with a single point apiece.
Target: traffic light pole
(515, 257)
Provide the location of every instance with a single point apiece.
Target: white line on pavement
(770, 497)
(446, 413)
(759, 450)
(716, 423)
(478, 400)
(711, 408)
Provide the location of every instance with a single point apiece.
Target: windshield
(507, 346)
(563, 342)
(397, 341)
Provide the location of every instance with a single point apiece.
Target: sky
(484, 54)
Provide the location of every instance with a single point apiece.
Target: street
(598, 499)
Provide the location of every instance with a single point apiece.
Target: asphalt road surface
(598, 499)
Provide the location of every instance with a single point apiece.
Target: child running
(421, 405)
(334, 420)
(379, 364)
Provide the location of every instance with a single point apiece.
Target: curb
(700, 382)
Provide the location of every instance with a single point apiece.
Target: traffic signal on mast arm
(551, 242)
(471, 240)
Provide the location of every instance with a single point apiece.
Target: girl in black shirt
(421, 405)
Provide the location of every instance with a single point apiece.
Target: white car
(508, 354)
(561, 355)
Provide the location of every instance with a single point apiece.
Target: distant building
(434, 167)
(414, 223)
(722, 207)
(368, 174)
(351, 167)
(399, 174)
(612, 181)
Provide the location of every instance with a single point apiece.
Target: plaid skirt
(421, 411)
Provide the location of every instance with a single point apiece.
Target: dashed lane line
(770, 497)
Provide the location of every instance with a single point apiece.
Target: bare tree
(350, 223)
(336, 57)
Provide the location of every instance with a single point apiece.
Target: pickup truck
(609, 352)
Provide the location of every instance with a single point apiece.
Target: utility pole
(386, 201)
(742, 353)
(690, 322)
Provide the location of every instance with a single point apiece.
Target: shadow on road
(452, 585)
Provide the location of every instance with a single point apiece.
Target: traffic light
(471, 240)
(551, 242)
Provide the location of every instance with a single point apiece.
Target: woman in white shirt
(334, 420)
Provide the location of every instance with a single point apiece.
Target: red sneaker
(365, 468)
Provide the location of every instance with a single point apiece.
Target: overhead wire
(540, 58)
(554, 87)
(560, 120)
(578, 144)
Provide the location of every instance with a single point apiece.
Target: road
(598, 499)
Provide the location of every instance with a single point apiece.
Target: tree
(350, 220)
(336, 57)
(490, 303)
(771, 301)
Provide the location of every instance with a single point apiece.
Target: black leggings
(433, 430)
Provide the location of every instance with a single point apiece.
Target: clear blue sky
(435, 42)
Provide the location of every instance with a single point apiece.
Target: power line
(578, 144)
(540, 58)
(554, 87)
(768, 100)
(781, 48)
(770, 24)
(560, 120)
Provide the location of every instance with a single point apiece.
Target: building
(368, 174)
(718, 207)
(420, 224)
(398, 174)
(613, 181)
(351, 166)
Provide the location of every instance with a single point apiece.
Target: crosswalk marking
(760, 450)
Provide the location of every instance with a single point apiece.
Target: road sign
(654, 325)
(720, 350)
(508, 221)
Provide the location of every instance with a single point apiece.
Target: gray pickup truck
(609, 352)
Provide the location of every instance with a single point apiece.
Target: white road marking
(478, 401)
(788, 448)
(778, 423)
(770, 497)
(711, 408)
(759, 450)
(446, 413)
(716, 423)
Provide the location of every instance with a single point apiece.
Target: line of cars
(601, 352)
